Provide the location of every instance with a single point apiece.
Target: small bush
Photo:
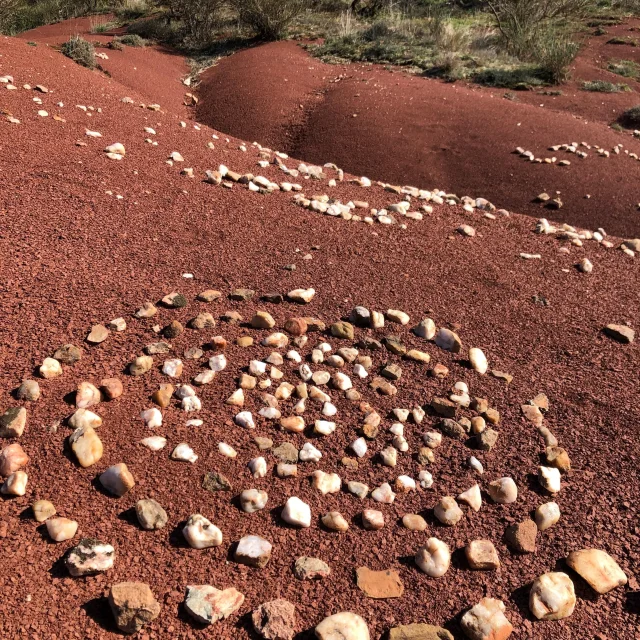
(80, 51)
(132, 40)
(624, 68)
(115, 45)
(158, 28)
(604, 87)
(555, 55)
(268, 19)
(631, 117)
(133, 9)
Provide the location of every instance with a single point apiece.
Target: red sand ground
(409, 130)
(72, 256)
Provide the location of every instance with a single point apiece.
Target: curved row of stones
(414, 205)
(552, 595)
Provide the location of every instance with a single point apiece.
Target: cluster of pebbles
(312, 365)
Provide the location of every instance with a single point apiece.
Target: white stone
(245, 419)
(191, 403)
(343, 626)
(478, 360)
(383, 494)
(405, 483)
(297, 513)
(258, 467)
(184, 453)
(184, 391)
(448, 511)
(359, 447)
(152, 417)
(552, 596)
(155, 443)
(61, 529)
(270, 413)
(305, 372)
(434, 558)
(50, 368)
(294, 356)
(83, 418)
(549, 478)
(15, 484)
(309, 453)
(227, 450)
(547, 515)
(326, 482)
(252, 500)
(432, 439)
(476, 465)
(87, 395)
(426, 479)
(301, 295)
(324, 427)
(503, 490)
(329, 409)
(472, 497)
(218, 362)
(200, 533)
(360, 371)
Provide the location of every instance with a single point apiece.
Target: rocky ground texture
(251, 397)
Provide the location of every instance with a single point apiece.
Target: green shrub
(131, 40)
(555, 54)
(268, 19)
(602, 86)
(80, 51)
(617, 40)
(631, 117)
(624, 68)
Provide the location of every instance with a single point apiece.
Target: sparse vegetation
(627, 40)
(131, 40)
(602, 86)
(268, 19)
(625, 68)
(80, 51)
(631, 118)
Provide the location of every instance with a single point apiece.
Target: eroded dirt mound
(87, 239)
(410, 130)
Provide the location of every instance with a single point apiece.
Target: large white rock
(552, 596)
(297, 513)
(598, 568)
(549, 479)
(343, 626)
(200, 533)
(184, 453)
(434, 558)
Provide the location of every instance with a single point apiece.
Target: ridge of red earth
(73, 255)
(405, 129)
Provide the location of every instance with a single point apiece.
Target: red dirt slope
(72, 254)
(156, 72)
(411, 130)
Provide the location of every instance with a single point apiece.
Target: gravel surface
(73, 256)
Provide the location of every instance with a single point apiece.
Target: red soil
(410, 130)
(71, 255)
(156, 72)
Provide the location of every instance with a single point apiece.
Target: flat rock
(620, 332)
(379, 584)
(253, 551)
(99, 333)
(419, 632)
(214, 481)
(598, 568)
(68, 354)
(521, 537)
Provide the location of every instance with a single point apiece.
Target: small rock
(448, 340)
(208, 605)
(448, 511)
(42, 509)
(414, 522)
(252, 500)
(140, 365)
(486, 440)
(275, 620)
(620, 332)
(419, 631)
(99, 333)
(86, 445)
(29, 390)
(150, 514)
(117, 479)
(343, 626)
(61, 529)
(200, 533)
(87, 395)
(486, 621)
(133, 605)
(521, 537)
(372, 520)
(13, 421)
(89, 557)
(301, 296)
(214, 481)
(308, 568)
(547, 515)
(12, 459)
(111, 388)
(253, 551)
(68, 354)
(334, 521)
(297, 513)
(552, 596)
(503, 490)
(15, 484)
(434, 558)
(482, 555)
